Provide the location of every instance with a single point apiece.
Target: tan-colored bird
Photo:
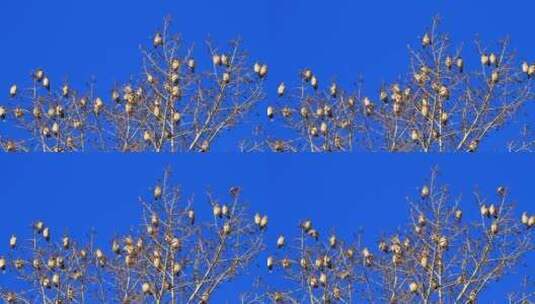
(157, 192)
(263, 222)
(323, 279)
(472, 147)
(150, 79)
(333, 89)
(444, 118)
(383, 246)
(39, 226)
(493, 211)
(154, 220)
(46, 83)
(13, 90)
(18, 112)
(51, 263)
(525, 218)
(304, 112)
(531, 221)
(458, 214)
(531, 70)
(19, 264)
(216, 59)
(191, 216)
(55, 279)
(225, 211)
(174, 79)
(115, 96)
(39, 74)
(314, 82)
(45, 282)
(36, 263)
(147, 136)
(501, 191)
(97, 105)
(494, 228)
(448, 62)
(216, 210)
(281, 89)
(424, 192)
(269, 262)
(157, 40)
(485, 59)
(484, 210)
(270, 112)
(303, 263)
(257, 219)
(146, 288)
(65, 90)
(368, 105)
(421, 220)
(3, 112)
(415, 137)
(426, 40)
(55, 128)
(226, 78)
(306, 225)
(444, 92)
(175, 243)
(46, 234)
(225, 60)
(286, 112)
(281, 241)
(263, 71)
(177, 268)
(443, 242)
(459, 62)
(226, 228)
(306, 74)
(351, 101)
(176, 92)
(257, 67)
(494, 77)
(175, 64)
(313, 282)
(413, 287)
(324, 128)
(13, 242)
(191, 64)
(129, 108)
(332, 241)
(424, 260)
(525, 67)
(176, 117)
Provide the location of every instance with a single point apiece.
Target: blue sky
(341, 193)
(76, 40)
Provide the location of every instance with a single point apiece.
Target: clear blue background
(341, 193)
(338, 39)
(76, 40)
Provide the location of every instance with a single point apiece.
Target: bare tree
(172, 106)
(307, 269)
(180, 255)
(440, 105)
(177, 256)
(444, 103)
(442, 257)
